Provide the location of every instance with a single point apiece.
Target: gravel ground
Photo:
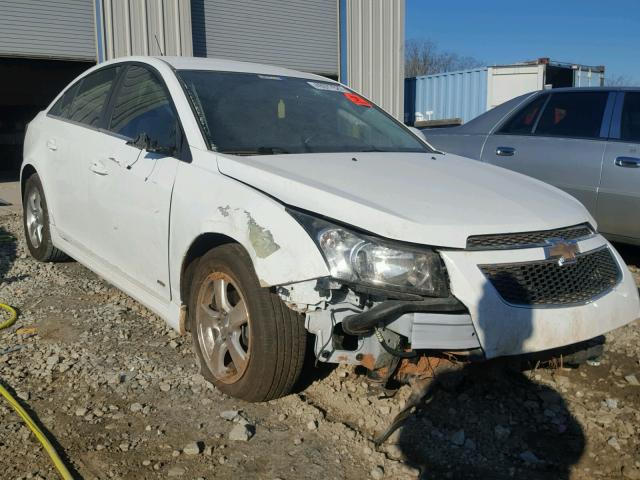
(122, 396)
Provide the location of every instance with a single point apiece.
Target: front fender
(205, 201)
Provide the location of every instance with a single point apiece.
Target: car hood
(430, 199)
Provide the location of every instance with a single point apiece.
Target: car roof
(220, 65)
(593, 89)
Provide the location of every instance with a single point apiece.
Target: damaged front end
(383, 334)
(383, 302)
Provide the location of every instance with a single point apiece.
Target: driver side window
(142, 105)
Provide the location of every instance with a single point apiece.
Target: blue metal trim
(99, 30)
(615, 131)
(342, 20)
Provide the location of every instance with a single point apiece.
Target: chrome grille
(547, 283)
(527, 239)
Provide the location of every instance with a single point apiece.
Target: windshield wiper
(258, 151)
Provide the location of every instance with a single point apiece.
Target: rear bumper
(503, 329)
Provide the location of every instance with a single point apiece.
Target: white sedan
(252, 206)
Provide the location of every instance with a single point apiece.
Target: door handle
(51, 145)
(628, 162)
(505, 151)
(98, 168)
(113, 159)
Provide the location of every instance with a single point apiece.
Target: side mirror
(144, 142)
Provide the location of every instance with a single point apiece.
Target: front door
(556, 138)
(619, 197)
(131, 189)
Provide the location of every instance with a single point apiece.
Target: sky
(499, 32)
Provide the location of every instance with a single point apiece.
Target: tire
(255, 321)
(35, 220)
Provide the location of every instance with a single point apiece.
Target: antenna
(158, 43)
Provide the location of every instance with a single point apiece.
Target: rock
(613, 442)
(241, 433)
(632, 380)
(53, 359)
(193, 448)
(457, 438)
(135, 407)
(176, 472)
(377, 473)
(501, 433)
(469, 444)
(81, 412)
(229, 415)
(124, 447)
(611, 403)
(165, 387)
(312, 425)
(530, 457)
(23, 395)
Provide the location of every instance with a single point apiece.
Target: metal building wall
(375, 51)
(143, 27)
(448, 95)
(302, 35)
(58, 29)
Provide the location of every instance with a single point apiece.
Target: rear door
(131, 190)
(618, 212)
(558, 138)
(71, 135)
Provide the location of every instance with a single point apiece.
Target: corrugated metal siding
(449, 95)
(588, 78)
(47, 29)
(375, 51)
(147, 27)
(288, 33)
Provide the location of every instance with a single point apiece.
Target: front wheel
(250, 345)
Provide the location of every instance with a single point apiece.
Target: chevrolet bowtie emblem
(564, 250)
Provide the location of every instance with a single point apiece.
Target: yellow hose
(12, 316)
(55, 458)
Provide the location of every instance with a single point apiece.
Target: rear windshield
(251, 114)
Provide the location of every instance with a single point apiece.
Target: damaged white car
(253, 205)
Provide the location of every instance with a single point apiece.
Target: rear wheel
(36, 223)
(250, 345)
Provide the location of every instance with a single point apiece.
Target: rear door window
(630, 121)
(62, 108)
(523, 121)
(573, 114)
(93, 91)
(142, 105)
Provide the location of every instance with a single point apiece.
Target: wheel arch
(27, 171)
(202, 244)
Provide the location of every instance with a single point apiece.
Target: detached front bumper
(506, 329)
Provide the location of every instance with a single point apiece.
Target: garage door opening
(27, 86)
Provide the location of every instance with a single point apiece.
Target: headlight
(363, 259)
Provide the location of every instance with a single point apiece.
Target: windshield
(252, 114)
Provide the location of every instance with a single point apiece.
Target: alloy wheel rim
(223, 327)
(35, 218)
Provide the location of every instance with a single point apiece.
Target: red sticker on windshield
(357, 99)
